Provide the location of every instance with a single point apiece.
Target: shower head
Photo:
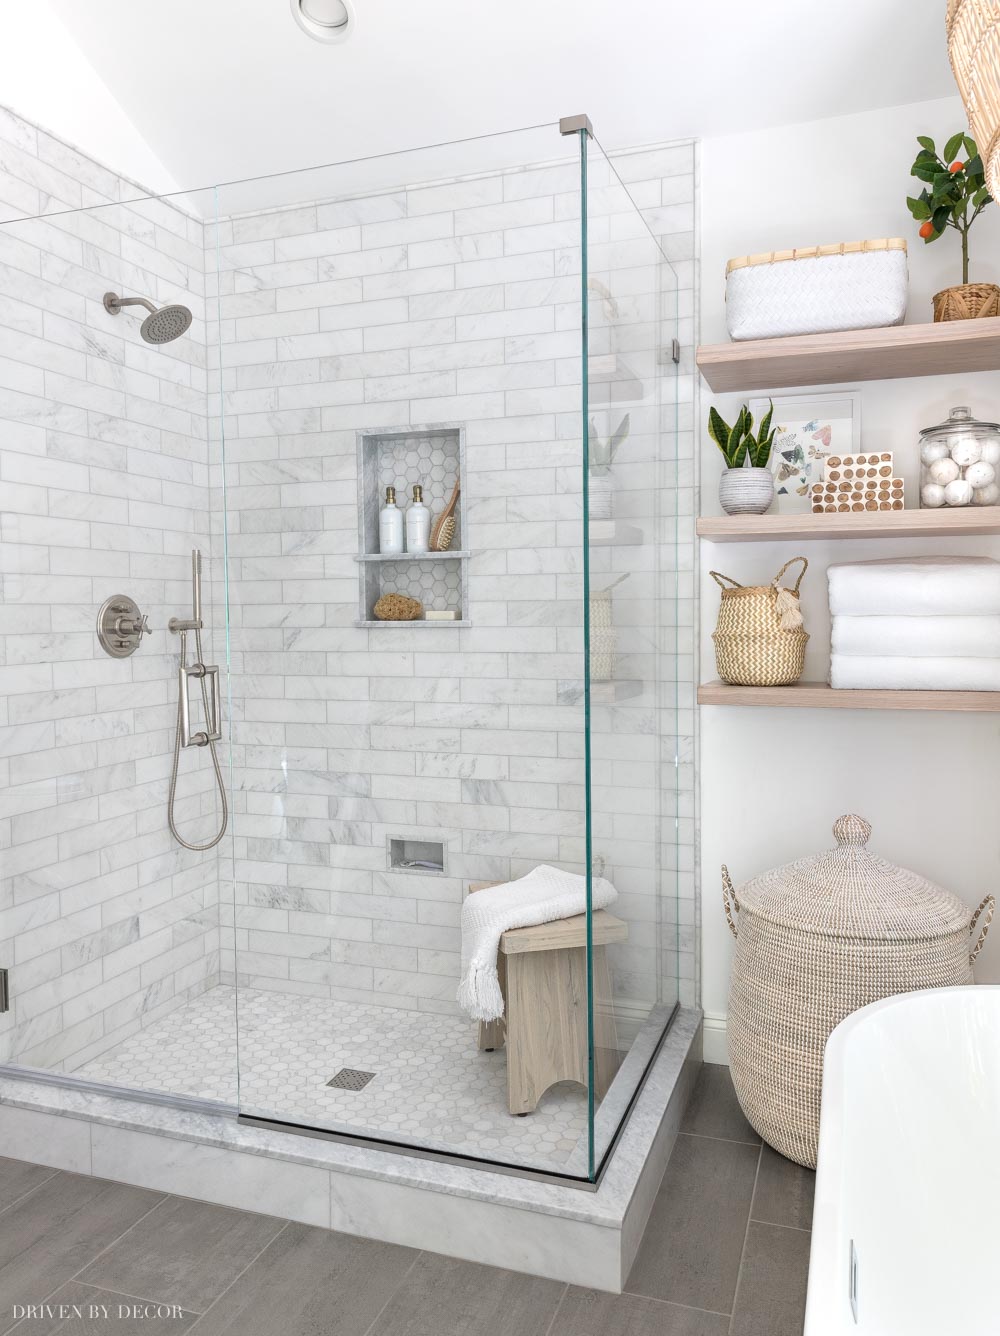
(162, 325)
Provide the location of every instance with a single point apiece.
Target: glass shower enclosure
(491, 322)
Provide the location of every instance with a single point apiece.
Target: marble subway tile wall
(455, 303)
(105, 924)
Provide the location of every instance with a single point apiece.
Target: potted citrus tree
(747, 484)
(954, 195)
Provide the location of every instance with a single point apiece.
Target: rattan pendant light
(973, 28)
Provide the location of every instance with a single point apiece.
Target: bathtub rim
(827, 1284)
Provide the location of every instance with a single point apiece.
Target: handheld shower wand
(212, 733)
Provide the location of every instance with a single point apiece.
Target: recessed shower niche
(434, 459)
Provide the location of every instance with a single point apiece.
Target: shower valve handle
(133, 626)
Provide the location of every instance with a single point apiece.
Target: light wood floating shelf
(952, 347)
(963, 522)
(819, 696)
(609, 533)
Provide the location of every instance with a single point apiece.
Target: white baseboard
(716, 1047)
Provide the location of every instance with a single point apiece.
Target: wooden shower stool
(543, 978)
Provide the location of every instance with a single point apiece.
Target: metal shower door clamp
(214, 734)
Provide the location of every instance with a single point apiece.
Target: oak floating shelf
(819, 696)
(952, 347)
(963, 522)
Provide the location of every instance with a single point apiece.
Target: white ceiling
(223, 89)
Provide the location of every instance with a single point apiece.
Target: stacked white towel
(919, 623)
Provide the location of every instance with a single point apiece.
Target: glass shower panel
(109, 928)
(631, 298)
(412, 320)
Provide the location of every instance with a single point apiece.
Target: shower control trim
(121, 626)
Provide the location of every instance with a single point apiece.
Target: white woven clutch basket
(854, 285)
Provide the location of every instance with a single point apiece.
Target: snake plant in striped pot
(747, 484)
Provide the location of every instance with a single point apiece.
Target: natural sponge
(398, 608)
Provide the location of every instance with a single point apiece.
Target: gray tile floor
(725, 1254)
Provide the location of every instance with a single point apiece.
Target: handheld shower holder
(213, 721)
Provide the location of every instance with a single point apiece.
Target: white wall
(773, 781)
(46, 79)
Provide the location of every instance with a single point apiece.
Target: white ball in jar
(966, 451)
(958, 493)
(991, 452)
(986, 496)
(932, 495)
(943, 471)
(980, 474)
(931, 450)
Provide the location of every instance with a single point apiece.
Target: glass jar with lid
(960, 462)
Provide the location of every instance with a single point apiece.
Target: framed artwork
(809, 427)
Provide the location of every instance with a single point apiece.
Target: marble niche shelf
(433, 457)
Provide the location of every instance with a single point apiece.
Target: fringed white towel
(855, 671)
(916, 587)
(544, 895)
(918, 637)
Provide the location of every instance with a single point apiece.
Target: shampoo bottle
(390, 524)
(418, 523)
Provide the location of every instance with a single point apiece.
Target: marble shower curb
(582, 1237)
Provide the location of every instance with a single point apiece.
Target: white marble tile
(45, 1138)
(208, 1173)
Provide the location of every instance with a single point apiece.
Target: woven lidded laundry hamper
(818, 289)
(759, 640)
(816, 940)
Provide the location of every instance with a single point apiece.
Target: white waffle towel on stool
(918, 637)
(855, 671)
(544, 895)
(916, 587)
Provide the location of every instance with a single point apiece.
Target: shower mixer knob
(133, 626)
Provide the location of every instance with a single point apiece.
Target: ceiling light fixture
(324, 20)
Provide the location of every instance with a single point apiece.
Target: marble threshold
(542, 1228)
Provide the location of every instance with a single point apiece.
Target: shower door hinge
(4, 991)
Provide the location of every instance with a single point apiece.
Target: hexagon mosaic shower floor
(432, 1087)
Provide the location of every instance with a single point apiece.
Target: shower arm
(114, 303)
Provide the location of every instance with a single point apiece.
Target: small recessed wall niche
(406, 855)
(434, 457)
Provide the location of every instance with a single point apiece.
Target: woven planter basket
(969, 301)
(759, 640)
(816, 940)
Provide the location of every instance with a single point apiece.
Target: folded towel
(900, 674)
(545, 894)
(916, 587)
(920, 637)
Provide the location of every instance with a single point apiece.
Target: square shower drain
(349, 1078)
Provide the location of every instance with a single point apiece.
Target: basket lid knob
(851, 829)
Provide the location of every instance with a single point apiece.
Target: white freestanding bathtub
(906, 1227)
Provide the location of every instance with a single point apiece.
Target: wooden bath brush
(444, 526)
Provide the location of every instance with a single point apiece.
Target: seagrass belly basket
(759, 639)
(816, 940)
